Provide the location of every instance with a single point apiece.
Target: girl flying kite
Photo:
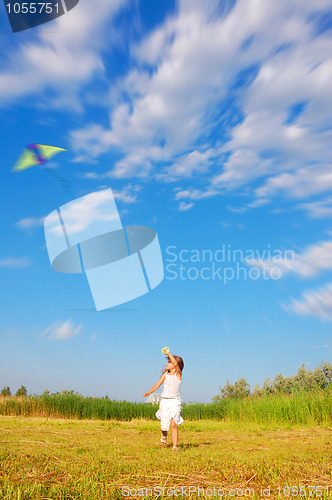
(169, 412)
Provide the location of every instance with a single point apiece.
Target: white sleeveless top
(172, 387)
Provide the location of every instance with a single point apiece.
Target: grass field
(45, 458)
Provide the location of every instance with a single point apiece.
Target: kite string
(41, 160)
(63, 182)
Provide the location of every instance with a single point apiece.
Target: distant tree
(69, 393)
(282, 385)
(239, 389)
(304, 380)
(258, 391)
(326, 369)
(22, 391)
(46, 392)
(6, 391)
(267, 386)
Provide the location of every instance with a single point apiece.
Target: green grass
(71, 447)
(301, 408)
(62, 459)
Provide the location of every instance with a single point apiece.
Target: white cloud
(292, 151)
(177, 113)
(193, 69)
(193, 194)
(185, 206)
(171, 115)
(16, 263)
(302, 183)
(170, 119)
(317, 303)
(313, 260)
(128, 194)
(324, 346)
(62, 330)
(318, 209)
(84, 212)
(92, 175)
(237, 210)
(30, 223)
(60, 59)
(188, 165)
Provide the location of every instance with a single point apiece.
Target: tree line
(304, 380)
(21, 391)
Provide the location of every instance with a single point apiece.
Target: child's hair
(179, 361)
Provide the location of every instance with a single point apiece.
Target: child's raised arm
(175, 363)
(156, 386)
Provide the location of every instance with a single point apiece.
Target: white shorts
(169, 409)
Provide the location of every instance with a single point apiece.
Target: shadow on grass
(186, 446)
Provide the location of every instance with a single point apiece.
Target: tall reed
(300, 408)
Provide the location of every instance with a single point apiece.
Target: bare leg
(163, 439)
(175, 433)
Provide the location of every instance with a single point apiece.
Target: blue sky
(212, 123)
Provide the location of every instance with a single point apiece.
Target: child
(170, 404)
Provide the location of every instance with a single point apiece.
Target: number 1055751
(303, 491)
(32, 8)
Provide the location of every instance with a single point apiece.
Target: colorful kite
(35, 154)
(39, 154)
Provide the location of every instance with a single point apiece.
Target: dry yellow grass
(71, 459)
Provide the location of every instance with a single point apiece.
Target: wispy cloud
(318, 209)
(228, 98)
(300, 184)
(171, 105)
(62, 330)
(313, 260)
(188, 165)
(317, 303)
(324, 346)
(16, 263)
(83, 213)
(30, 223)
(185, 206)
(235, 97)
(60, 60)
(193, 194)
(128, 194)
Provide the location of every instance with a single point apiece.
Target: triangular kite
(35, 154)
